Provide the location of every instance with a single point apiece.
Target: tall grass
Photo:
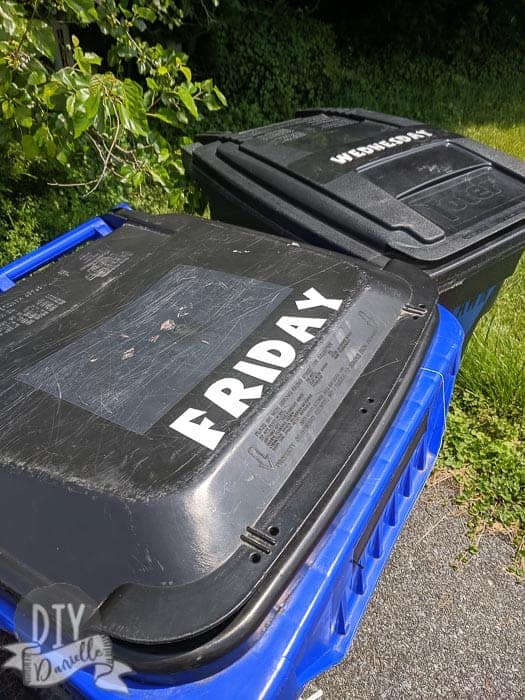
(494, 364)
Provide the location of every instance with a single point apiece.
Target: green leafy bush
(271, 60)
(32, 213)
(458, 29)
(99, 117)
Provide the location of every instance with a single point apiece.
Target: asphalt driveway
(433, 630)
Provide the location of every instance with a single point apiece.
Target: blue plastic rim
(469, 313)
(26, 265)
(312, 625)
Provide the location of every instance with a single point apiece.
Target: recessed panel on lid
(401, 174)
(467, 199)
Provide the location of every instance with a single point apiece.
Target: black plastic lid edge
(509, 164)
(295, 219)
(358, 112)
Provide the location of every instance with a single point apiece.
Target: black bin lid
(184, 404)
(344, 177)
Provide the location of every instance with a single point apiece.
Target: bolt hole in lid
(175, 412)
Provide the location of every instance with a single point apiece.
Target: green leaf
(23, 116)
(8, 109)
(51, 94)
(92, 104)
(133, 111)
(37, 77)
(164, 114)
(41, 36)
(152, 84)
(42, 135)
(81, 123)
(84, 10)
(137, 179)
(187, 100)
(146, 13)
(29, 146)
(70, 106)
(9, 19)
(186, 72)
(63, 157)
(86, 60)
(218, 94)
(51, 148)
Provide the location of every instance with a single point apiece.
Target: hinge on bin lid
(358, 114)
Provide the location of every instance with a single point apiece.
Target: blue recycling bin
(309, 624)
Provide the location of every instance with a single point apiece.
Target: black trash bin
(377, 187)
(185, 407)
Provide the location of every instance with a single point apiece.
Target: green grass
(484, 450)
(494, 365)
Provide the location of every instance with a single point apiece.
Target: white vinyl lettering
(314, 299)
(229, 393)
(202, 432)
(269, 359)
(342, 158)
(370, 148)
(297, 327)
(265, 374)
(273, 352)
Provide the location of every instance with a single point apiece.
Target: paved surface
(433, 631)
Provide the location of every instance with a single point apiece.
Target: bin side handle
(11, 273)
